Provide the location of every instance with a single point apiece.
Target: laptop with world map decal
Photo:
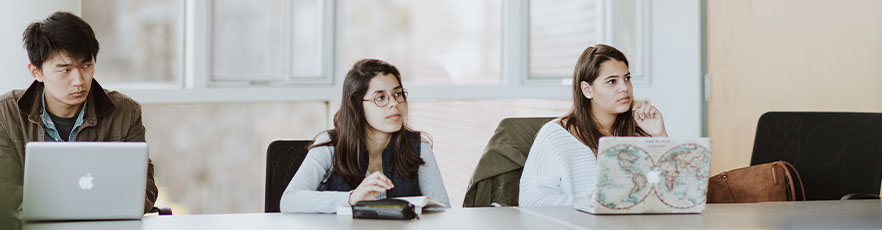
(650, 175)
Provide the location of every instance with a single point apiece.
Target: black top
(63, 126)
(403, 187)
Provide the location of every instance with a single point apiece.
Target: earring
(589, 97)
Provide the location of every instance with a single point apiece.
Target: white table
(455, 219)
(779, 215)
(854, 214)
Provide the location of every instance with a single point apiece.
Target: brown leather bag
(758, 183)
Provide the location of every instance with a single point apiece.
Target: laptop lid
(84, 180)
(650, 175)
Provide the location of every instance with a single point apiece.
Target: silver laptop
(650, 175)
(84, 180)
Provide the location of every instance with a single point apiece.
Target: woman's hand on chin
(650, 120)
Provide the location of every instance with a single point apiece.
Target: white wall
(14, 18)
(675, 84)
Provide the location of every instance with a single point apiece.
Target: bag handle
(787, 169)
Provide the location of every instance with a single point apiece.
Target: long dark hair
(580, 120)
(348, 136)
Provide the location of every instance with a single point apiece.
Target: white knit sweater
(559, 170)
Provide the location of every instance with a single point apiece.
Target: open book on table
(420, 203)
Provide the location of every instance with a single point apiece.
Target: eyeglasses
(382, 100)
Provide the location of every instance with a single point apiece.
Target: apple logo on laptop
(86, 182)
(652, 176)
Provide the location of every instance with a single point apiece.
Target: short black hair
(61, 32)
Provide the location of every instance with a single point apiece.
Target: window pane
(453, 42)
(248, 40)
(306, 28)
(271, 40)
(626, 32)
(559, 31)
(141, 40)
(458, 143)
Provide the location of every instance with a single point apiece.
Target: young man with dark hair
(64, 103)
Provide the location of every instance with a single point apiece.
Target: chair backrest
(283, 158)
(835, 153)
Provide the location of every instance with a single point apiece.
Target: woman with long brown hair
(562, 161)
(370, 154)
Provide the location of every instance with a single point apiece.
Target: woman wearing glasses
(370, 154)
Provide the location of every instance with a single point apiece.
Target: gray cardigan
(301, 195)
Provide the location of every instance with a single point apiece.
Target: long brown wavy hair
(348, 136)
(580, 120)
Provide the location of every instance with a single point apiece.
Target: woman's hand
(650, 120)
(371, 187)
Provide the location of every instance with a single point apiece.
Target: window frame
(198, 86)
(325, 78)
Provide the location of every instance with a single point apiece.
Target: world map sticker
(678, 179)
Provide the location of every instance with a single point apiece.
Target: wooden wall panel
(787, 55)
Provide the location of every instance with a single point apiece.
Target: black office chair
(839, 155)
(283, 158)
